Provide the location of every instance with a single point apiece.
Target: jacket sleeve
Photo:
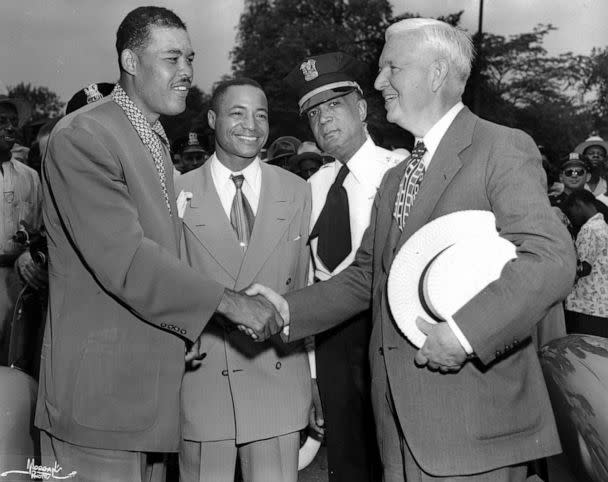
(91, 197)
(505, 313)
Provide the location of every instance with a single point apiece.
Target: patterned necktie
(241, 214)
(333, 225)
(150, 135)
(409, 185)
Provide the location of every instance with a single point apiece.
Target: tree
(45, 103)
(274, 35)
(524, 87)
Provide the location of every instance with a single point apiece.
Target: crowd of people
(216, 302)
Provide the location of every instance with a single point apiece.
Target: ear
(129, 61)
(362, 108)
(211, 118)
(438, 71)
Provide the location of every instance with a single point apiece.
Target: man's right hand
(253, 314)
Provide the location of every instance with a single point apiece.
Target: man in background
(330, 97)
(21, 201)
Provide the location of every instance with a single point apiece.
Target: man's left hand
(441, 351)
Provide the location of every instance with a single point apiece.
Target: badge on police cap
(309, 70)
(320, 78)
(92, 93)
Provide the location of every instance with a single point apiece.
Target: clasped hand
(258, 311)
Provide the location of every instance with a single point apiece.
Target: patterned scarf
(409, 185)
(150, 135)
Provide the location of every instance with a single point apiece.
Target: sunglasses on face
(575, 172)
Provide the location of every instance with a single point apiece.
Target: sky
(67, 44)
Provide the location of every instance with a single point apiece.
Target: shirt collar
(433, 137)
(361, 164)
(222, 173)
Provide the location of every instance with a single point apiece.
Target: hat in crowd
(193, 144)
(592, 141)
(296, 160)
(442, 266)
(574, 159)
(22, 106)
(282, 149)
(309, 146)
(324, 77)
(91, 93)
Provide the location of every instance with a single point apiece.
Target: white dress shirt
(252, 185)
(367, 168)
(431, 140)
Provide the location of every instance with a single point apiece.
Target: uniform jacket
(495, 411)
(121, 302)
(245, 390)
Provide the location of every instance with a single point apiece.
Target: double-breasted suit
(495, 411)
(245, 390)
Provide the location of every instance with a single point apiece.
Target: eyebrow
(178, 52)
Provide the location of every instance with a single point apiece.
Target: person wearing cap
(281, 150)
(305, 164)
(331, 99)
(574, 174)
(123, 307)
(192, 154)
(88, 95)
(471, 403)
(21, 201)
(246, 221)
(595, 150)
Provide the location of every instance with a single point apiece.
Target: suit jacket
(121, 302)
(495, 411)
(245, 390)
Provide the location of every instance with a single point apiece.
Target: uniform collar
(222, 174)
(361, 165)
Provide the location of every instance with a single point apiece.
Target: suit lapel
(444, 166)
(207, 220)
(388, 204)
(275, 210)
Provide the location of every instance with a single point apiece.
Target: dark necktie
(241, 214)
(333, 226)
(409, 185)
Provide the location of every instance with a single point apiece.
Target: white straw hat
(443, 266)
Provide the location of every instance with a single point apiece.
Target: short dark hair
(134, 31)
(581, 196)
(223, 86)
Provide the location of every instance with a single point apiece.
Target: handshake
(257, 311)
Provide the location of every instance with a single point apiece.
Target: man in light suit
(239, 396)
(122, 306)
(471, 404)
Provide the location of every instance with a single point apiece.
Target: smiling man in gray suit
(247, 221)
(471, 404)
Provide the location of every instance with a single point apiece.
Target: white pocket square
(296, 238)
(182, 202)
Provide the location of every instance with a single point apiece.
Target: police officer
(343, 191)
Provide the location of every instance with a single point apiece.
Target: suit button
(381, 351)
(508, 347)
(225, 373)
(515, 341)
(498, 353)
(288, 282)
(278, 365)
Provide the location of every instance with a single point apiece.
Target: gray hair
(452, 42)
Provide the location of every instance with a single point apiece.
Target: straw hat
(443, 266)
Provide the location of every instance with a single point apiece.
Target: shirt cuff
(460, 335)
(310, 351)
